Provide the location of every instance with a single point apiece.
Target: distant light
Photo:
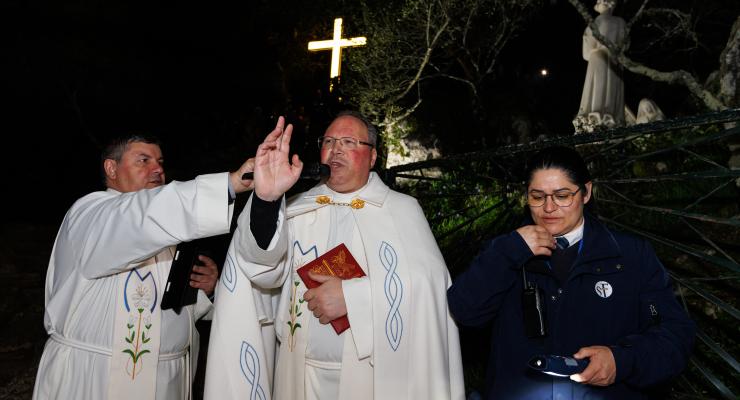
(544, 72)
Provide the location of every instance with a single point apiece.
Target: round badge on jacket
(603, 289)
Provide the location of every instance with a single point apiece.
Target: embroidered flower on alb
(142, 296)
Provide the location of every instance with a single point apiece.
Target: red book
(335, 262)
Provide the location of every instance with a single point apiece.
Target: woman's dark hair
(567, 160)
(563, 158)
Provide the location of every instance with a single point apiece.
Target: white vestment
(402, 342)
(103, 236)
(602, 100)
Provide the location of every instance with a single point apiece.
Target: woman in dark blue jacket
(603, 296)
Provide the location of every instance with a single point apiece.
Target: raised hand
(539, 240)
(273, 172)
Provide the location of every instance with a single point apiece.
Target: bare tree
(404, 39)
(667, 23)
(481, 30)
(414, 41)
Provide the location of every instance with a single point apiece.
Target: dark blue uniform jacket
(649, 333)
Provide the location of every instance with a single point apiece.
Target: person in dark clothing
(604, 297)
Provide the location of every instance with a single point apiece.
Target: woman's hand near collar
(539, 240)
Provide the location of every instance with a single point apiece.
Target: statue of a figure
(648, 111)
(602, 101)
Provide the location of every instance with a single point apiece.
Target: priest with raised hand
(109, 336)
(401, 342)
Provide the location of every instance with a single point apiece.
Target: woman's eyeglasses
(561, 198)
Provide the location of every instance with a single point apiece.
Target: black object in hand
(313, 171)
(178, 293)
(558, 365)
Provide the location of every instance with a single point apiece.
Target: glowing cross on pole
(336, 44)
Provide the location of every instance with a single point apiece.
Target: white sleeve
(266, 268)
(105, 233)
(358, 298)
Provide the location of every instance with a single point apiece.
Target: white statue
(647, 111)
(602, 101)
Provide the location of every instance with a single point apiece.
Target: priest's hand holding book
(327, 300)
(323, 277)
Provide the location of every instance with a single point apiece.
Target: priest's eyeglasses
(561, 198)
(349, 143)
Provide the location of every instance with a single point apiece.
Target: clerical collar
(575, 235)
(344, 197)
(351, 199)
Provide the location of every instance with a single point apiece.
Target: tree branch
(636, 17)
(425, 60)
(388, 122)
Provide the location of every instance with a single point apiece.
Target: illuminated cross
(336, 44)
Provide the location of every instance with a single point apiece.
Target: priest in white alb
(401, 343)
(109, 337)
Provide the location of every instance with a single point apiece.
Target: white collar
(575, 235)
(374, 193)
(336, 196)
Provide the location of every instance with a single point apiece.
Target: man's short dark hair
(372, 131)
(116, 147)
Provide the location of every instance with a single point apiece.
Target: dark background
(210, 79)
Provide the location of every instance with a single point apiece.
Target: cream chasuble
(389, 352)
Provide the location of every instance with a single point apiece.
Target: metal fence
(668, 181)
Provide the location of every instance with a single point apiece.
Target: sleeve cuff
(624, 359)
(232, 193)
(263, 219)
(213, 213)
(514, 248)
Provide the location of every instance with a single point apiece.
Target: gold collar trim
(355, 203)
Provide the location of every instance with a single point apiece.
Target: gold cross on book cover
(335, 262)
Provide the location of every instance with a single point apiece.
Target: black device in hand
(178, 293)
(558, 365)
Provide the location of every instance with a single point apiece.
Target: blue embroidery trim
(250, 364)
(144, 278)
(303, 253)
(228, 278)
(393, 293)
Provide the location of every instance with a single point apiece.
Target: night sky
(210, 79)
